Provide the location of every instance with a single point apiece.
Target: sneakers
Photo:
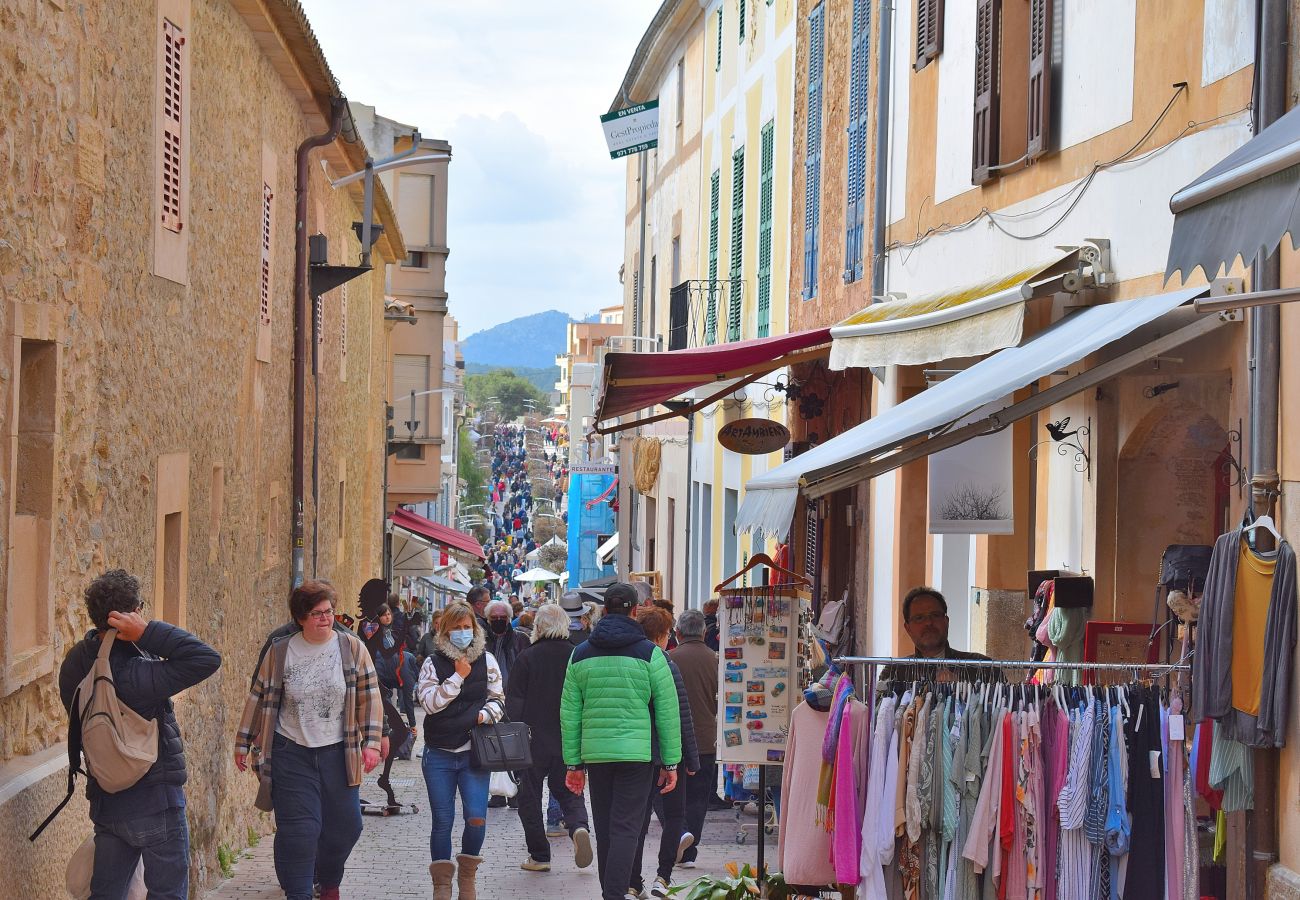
(532, 865)
(557, 830)
(686, 864)
(687, 841)
(659, 888)
(581, 848)
(496, 801)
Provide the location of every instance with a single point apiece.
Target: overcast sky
(536, 204)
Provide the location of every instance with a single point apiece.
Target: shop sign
(594, 469)
(971, 487)
(753, 436)
(632, 130)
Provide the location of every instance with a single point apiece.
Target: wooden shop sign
(753, 436)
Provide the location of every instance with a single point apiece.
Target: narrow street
(392, 857)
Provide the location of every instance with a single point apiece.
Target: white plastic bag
(82, 866)
(502, 784)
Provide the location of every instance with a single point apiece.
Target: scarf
(830, 743)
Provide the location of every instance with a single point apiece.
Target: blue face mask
(462, 637)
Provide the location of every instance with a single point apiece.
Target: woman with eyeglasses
(315, 708)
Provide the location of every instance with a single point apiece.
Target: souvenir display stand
(759, 642)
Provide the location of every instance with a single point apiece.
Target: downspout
(881, 186)
(301, 323)
(1272, 28)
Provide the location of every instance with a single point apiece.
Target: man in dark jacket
(151, 663)
(699, 667)
(533, 697)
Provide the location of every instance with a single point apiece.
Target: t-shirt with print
(311, 713)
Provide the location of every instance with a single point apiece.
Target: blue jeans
(317, 816)
(446, 772)
(161, 838)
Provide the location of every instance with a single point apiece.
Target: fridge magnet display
(733, 714)
(735, 697)
(756, 700)
(731, 737)
(776, 650)
(734, 652)
(734, 676)
(755, 687)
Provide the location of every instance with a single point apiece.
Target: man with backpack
(150, 662)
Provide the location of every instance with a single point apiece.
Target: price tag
(1155, 762)
(1176, 732)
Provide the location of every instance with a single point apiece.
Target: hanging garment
(878, 828)
(984, 822)
(1074, 881)
(1232, 770)
(1145, 877)
(1065, 630)
(1247, 627)
(1175, 770)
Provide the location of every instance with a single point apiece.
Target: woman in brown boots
(460, 687)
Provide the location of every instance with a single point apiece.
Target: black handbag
(1183, 567)
(500, 747)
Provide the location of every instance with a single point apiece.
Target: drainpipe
(1272, 28)
(302, 323)
(881, 187)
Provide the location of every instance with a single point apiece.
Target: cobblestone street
(392, 857)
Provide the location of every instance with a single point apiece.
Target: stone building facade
(148, 172)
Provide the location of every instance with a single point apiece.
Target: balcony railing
(705, 312)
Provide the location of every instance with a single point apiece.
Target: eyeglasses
(926, 618)
(321, 615)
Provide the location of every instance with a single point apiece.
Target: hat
(620, 598)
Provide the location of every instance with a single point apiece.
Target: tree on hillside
(469, 471)
(509, 390)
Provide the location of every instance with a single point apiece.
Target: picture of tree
(971, 502)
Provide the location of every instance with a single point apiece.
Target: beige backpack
(117, 744)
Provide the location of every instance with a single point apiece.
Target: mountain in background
(529, 342)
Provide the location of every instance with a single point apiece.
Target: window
(1013, 85)
(343, 333)
(681, 95)
(410, 452)
(32, 444)
(171, 141)
(717, 66)
(855, 212)
(711, 316)
(416, 259)
(737, 242)
(813, 160)
(929, 31)
(171, 542)
(767, 151)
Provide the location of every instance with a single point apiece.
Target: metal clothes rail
(941, 662)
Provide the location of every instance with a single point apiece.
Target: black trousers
(620, 793)
(699, 789)
(670, 808)
(530, 805)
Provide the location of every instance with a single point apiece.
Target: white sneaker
(581, 848)
(687, 864)
(686, 842)
(659, 888)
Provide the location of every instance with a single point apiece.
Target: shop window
(32, 453)
(171, 548)
(171, 140)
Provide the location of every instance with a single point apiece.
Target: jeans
(553, 813)
(699, 789)
(161, 838)
(670, 809)
(317, 816)
(620, 792)
(446, 772)
(530, 805)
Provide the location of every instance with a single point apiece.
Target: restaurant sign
(753, 436)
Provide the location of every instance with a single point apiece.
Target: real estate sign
(632, 130)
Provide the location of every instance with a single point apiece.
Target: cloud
(502, 172)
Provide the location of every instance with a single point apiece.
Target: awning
(446, 584)
(605, 552)
(921, 424)
(1242, 206)
(441, 535)
(636, 381)
(971, 320)
(411, 554)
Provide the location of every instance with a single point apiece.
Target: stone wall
(152, 367)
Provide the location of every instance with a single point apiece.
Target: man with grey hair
(699, 667)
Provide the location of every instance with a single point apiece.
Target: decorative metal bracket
(1070, 442)
(1233, 469)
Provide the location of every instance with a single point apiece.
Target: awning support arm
(1250, 299)
(818, 483)
(789, 359)
(693, 408)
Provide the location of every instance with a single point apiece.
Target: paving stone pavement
(392, 857)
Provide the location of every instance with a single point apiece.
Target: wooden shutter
(766, 162)
(1039, 115)
(717, 67)
(856, 165)
(929, 31)
(988, 14)
(264, 311)
(173, 151)
(711, 316)
(343, 333)
(737, 243)
(813, 161)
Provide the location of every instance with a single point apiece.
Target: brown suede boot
(441, 872)
(465, 889)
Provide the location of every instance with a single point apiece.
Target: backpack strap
(74, 758)
(106, 643)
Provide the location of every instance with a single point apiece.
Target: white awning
(446, 584)
(876, 446)
(605, 552)
(970, 320)
(411, 554)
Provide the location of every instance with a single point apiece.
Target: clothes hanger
(1266, 522)
(762, 559)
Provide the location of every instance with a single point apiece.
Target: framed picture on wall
(1117, 642)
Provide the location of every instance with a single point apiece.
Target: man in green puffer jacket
(616, 680)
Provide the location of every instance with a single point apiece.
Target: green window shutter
(813, 156)
(765, 231)
(737, 242)
(856, 165)
(711, 317)
(740, 8)
(717, 67)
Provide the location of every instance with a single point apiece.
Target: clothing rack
(900, 661)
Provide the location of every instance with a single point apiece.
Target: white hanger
(1265, 522)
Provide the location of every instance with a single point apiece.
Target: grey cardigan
(1212, 664)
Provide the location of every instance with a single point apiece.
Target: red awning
(438, 534)
(636, 381)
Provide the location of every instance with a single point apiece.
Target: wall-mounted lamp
(1156, 390)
